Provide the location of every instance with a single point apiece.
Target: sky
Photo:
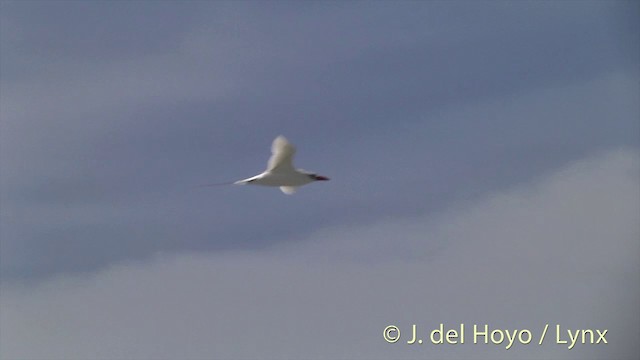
(484, 163)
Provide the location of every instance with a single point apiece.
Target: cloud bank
(561, 249)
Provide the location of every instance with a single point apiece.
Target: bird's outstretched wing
(281, 155)
(289, 190)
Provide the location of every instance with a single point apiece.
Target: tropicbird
(280, 171)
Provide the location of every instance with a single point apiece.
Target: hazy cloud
(560, 250)
(483, 156)
(111, 113)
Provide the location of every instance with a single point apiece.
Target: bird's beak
(321, 178)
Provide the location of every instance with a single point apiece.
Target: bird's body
(269, 178)
(280, 171)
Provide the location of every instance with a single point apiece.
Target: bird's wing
(289, 190)
(281, 155)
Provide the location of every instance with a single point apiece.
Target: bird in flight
(280, 171)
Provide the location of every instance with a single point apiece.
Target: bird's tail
(218, 184)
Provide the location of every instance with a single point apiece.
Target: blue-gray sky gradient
(113, 112)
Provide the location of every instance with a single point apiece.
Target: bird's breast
(283, 179)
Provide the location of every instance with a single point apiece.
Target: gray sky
(483, 157)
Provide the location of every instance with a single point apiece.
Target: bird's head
(317, 177)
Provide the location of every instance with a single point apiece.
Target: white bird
(280, 171)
